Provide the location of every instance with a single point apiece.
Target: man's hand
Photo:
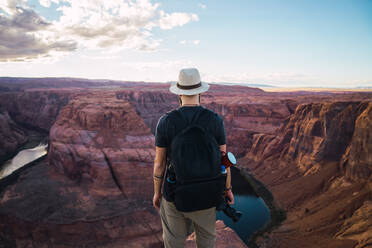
(156, 201)
(230, 196)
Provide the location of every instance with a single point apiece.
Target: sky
(287, 43)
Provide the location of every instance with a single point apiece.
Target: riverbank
(34, 138)
(277, 215)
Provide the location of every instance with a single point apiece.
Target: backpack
(195, 161)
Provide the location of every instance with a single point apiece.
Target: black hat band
(188, 87)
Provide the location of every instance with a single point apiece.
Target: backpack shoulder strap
(178, 120)
(176, 115)
(204, 118)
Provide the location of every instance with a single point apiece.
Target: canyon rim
(312, 150)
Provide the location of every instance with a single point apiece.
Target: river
(22, 158)
(255, 212)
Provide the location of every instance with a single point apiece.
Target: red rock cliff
(318, 167)
(95, 188)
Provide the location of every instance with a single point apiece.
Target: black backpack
(195, 161)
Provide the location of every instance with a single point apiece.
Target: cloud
(201, 5)
(23, 36)
(169, 21)
(45, 3)
(83, 24)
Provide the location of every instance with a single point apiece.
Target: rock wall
(318, 167)
(357, 160)
(318, 133)
(37, 109)
(100, 139)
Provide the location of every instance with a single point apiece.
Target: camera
(229, 211)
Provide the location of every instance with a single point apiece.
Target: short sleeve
(220, 131)
(160, 133)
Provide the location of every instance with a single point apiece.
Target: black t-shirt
(166, 131)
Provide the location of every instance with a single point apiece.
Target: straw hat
(189, 83)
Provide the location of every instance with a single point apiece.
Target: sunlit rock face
(358, 226)
(318, 167)
(318, 133)
(357, 160)
(99, 139)
(322, 132)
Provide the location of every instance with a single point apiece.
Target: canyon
(312, 150)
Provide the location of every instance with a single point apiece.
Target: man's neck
(190, 104)
(190, 100)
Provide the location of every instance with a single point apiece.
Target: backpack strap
(195, 119)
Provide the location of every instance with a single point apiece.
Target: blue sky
(283, 43)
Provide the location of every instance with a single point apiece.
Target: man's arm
(228, 187)
(159, 171)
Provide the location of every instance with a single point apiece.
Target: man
(177, 225)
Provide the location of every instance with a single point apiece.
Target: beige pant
(178, 225)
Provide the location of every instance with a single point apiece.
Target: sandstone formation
(356, 161)
(358, 226)
(97, 137)
(315, 174)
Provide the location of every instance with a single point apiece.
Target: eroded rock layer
(318, 167)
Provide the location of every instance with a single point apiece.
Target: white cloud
(201, 5)
(45, 3)
(87, 24)
(169, 21)
(25, 36)
(10, 6)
